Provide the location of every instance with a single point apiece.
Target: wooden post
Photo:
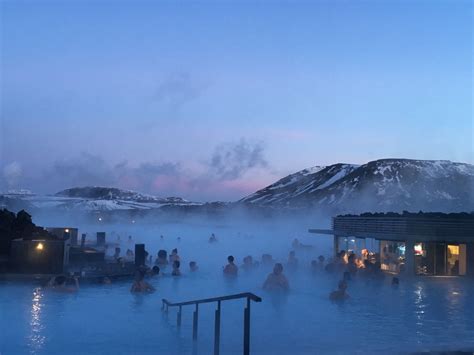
(247, 328)
(410, 258)
(195, 322)
(336, 245)
(217, 328)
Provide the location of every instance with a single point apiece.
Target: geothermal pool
(426, 314)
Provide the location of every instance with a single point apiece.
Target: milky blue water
(423, 314)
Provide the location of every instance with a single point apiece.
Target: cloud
(231, 161)
(220, 177)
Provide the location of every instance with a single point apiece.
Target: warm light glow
(453, 249)
(418, 249)
(66, 230)
(39, 246)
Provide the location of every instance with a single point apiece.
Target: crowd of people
(346, 264)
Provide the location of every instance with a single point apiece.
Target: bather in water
(340, 294)
(276, 280)
(231, 269)
(140, 285)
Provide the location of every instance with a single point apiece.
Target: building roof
(422, 227)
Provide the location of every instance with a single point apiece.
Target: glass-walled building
(432, 244)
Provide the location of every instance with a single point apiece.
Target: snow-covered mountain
(90, 199)
(381, 185)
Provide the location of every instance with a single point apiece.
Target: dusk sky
(214, 100)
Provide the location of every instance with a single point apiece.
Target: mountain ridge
(379, 185)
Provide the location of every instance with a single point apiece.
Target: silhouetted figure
(155, 271)
(351, 266)
(162, 258)
(117, 253)
(248, 263)
(292, 261)
(193, 267)
(58, 284)
(230, 269)
(276, 280)
(340, 294)
(174, 256)
(140, 285)
(212, 238)
(267, 260)
(176, 271)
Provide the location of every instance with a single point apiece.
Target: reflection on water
(36, 338)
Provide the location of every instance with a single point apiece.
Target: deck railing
(217, 317)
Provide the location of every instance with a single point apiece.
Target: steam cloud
(12, 173)
(231, 161)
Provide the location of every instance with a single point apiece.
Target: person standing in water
(276, 280)
(231, 269)
(340, 294)
(292, 261)
(58, 284)
(193, 267)
(176, 271)
(140, 285)
(174, 256)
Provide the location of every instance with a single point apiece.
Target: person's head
(174, 251)
(192, 264)
(130, 237)
(321, 259)
(278, 269)
(230, 259)
(155, 270)
(162, 254)
(351, 257)
(342, 285)
(60, 280)
(176, 264)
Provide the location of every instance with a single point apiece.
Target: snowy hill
(381, 185)
(90, 199)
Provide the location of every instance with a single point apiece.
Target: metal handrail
(250, 295)
(217, 319)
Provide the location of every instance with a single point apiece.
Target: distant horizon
(52, 193)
